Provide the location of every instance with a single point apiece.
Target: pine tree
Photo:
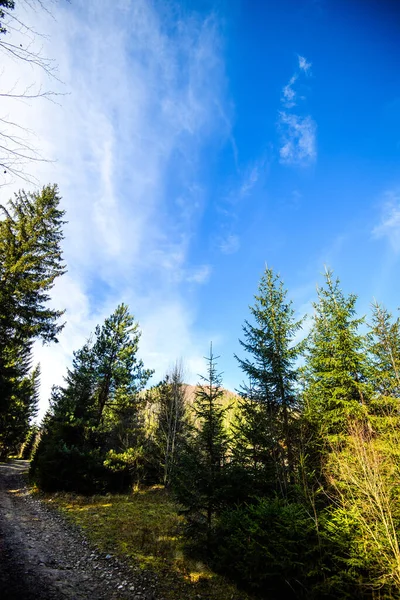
(94, 432)
(269, 406)
(201, 476)
(336, 387)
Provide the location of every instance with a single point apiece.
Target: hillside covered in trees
(290, 489)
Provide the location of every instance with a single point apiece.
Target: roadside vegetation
(146, 527)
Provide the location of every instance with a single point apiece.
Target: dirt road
(43, 557)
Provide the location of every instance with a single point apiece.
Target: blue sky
(198, 141)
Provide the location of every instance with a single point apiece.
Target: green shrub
(269, 547)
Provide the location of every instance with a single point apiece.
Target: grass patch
(146, 528)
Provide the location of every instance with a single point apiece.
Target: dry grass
(146, 528)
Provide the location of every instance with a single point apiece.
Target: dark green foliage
(269, 546)
(66, 459)
(253, 450)
(19, 400)
(119, 373)
(383, 371)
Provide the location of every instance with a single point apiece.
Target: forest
(290, 487)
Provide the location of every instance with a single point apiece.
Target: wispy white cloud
(146, 92)
(200, 275)
(289, 95)
(304, 65)
(297, 131)
(251, 178)
(239, 191)
(389, 226)
(230, 244)
(298, 139)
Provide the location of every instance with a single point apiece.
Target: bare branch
(19, 41)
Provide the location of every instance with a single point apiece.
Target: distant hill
(230, 401)
(191, 393)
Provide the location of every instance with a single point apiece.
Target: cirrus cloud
(146, 94)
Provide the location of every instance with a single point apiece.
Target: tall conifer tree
(270, 403)
(336, 387)
(30, 262)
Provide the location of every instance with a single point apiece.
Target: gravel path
(42, 557)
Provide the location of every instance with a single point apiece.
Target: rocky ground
(44, 557)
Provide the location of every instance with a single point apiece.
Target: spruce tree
(269, 407)
(336, 390)
(200, 481)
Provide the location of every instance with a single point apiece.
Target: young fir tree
(336, 389)
(171, 421)
(200, 480)
(30, 261)
(269, 406)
